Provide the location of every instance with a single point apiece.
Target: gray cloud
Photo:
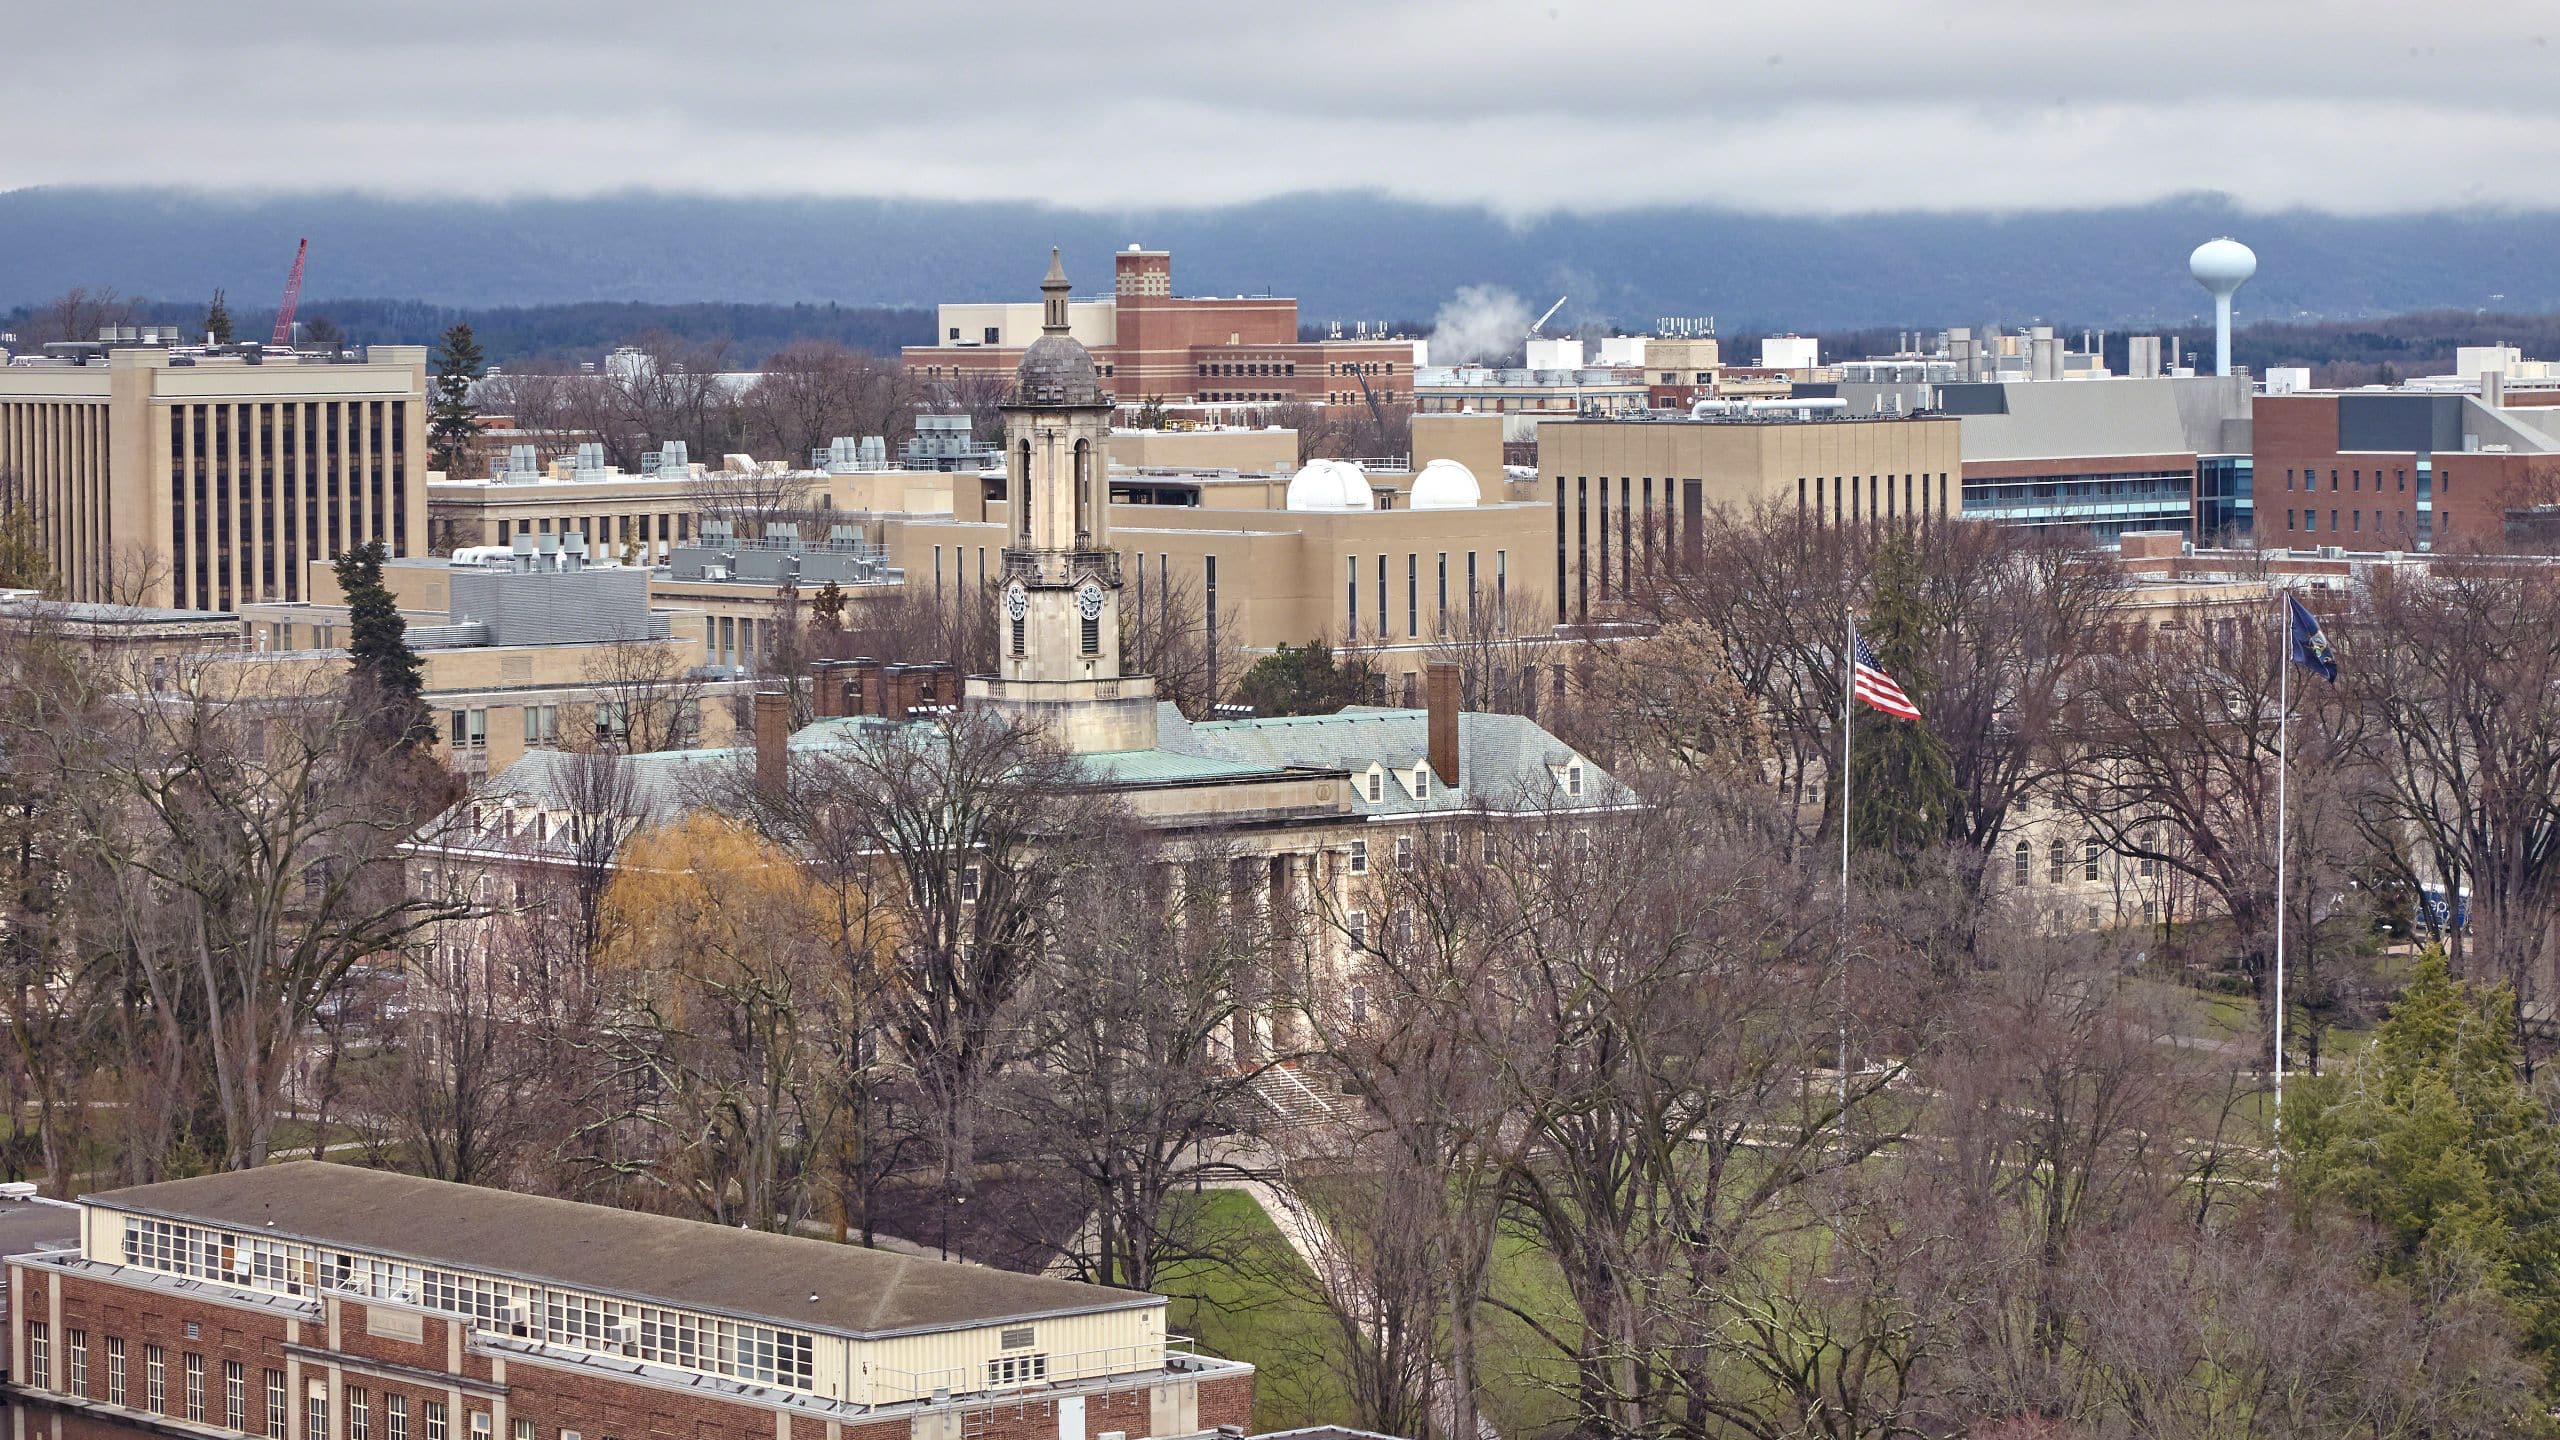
(1859, 105)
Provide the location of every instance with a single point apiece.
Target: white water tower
(2222, 265)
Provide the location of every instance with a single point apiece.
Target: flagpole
(1848, 718)
(2284, 714)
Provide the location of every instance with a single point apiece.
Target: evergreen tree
(2435, 1139)
(1305, 680)
(217, 320)
(388, 679)
(1903, 783)
(451, 433)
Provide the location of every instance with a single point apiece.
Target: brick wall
(1225, 1401)
(508, 1388)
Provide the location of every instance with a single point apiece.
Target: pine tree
(1903, 781)
(217, 320)
(389, 681)
(1305, 680)
(451, 431)
(2435, 1138)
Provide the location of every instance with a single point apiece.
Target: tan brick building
(206, 482)
(1617, 488)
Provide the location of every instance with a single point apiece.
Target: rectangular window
(235, 1396)
(1383, 600)
(359, 1414)
(1350, 592)
(395, 1417)
(1355, 925)
(1404, 850)
(479, 1425)
(155, 1380)
(1008, 1370)
(2089, 853)
(523, 1428)
(1359, 857)
(115, 1370)
(39, 1354)
(315, 1415)
(435, 1420)
(1448, 847)
(1412, 594)
(77, 1343)
(195, 1387)
(275, 1405)
(1444, 592)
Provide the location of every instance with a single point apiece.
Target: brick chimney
(1442, 696)
(828, 687)
(773, 740)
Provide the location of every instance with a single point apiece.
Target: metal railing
(890, 1384)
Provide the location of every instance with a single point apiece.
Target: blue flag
(2310, 648)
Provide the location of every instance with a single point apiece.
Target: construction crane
(1533, 330)
(292, 299)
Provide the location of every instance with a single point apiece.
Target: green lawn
(1527, 1383)
(1254, 1307)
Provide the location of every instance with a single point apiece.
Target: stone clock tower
(1058, 615)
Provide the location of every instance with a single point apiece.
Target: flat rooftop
(687, 1263)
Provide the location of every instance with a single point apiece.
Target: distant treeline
(553, 334)
(2339, 352)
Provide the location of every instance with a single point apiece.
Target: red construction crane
(292, 298)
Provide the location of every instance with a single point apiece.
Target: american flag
(1875, 687)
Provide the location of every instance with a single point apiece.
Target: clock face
(1017, 601)
(1089, 599)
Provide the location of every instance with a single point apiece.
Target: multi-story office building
(1617, 490)
(206, 481)
(2400, 469)
(1192, 350)
(2099, 454)
(312, 1301)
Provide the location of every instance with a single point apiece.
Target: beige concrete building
(643, 518)
(1617, 489)
(207, 482)
(138, 646)
(518, 656)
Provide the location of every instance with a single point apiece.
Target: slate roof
(1505, 762)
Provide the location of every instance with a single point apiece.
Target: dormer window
(1573, 780)
(1377, 785)
(1421, 782)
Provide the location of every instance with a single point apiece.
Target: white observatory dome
(1330, 485)
(2222, 264)
(1444, 484)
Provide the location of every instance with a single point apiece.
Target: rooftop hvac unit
(621, 1332)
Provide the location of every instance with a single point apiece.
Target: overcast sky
(1781, 105)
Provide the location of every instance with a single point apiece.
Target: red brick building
(2394, 470)
(1194, 351)
(324, 1302)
